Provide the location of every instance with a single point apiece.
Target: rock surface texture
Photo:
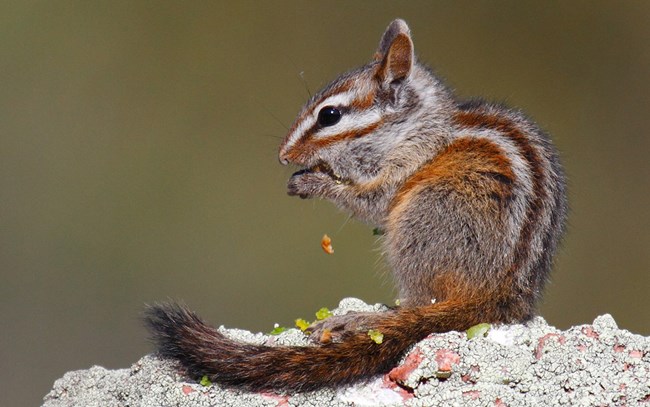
(516, 365)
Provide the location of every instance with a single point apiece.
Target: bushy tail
(202, 350)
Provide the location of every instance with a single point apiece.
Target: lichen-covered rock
(515, 365)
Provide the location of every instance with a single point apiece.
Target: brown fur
(202, 350)
(308, 146)
(324, 142)
(471, 197)
(479, 170)
(397, 63)
(463, 159)
(487, 121)
(364, 102)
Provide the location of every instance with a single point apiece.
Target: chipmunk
(470, 197)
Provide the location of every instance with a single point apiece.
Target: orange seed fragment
(326, 244)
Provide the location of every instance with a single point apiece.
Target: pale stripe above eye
(349, 122)
(338, 100)
(352, 120)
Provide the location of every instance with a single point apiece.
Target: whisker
(301, 74)
(345, 222)
(304, 82)
(271, 114)
(272, 136)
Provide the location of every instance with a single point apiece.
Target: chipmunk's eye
(329, 116)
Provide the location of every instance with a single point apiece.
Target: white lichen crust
(516, 365)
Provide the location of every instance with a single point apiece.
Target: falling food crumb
(326, 244)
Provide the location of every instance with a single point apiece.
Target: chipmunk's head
(346, 129)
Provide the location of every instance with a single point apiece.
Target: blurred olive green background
(138, 161)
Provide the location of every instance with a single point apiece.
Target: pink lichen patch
(619, 348)
(539, 350)
(446, 359)
(404, 392)
(499, 403)
(581, 348)
(187, 389)
(471, 375)
(473, 394)
(283, 401)
(402, 372)
(636, 354)
(590, 332)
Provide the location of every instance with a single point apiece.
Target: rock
(514, 365)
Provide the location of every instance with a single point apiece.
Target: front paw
(308, 184)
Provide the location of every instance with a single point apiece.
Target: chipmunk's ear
(395, 53)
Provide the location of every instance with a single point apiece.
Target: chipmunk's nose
(282, 157)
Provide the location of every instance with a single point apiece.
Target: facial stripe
(350, 121)
(293, 140)
(305, 146)
(306, 124)
(358, 120)
(351, 134)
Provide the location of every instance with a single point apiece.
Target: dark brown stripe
(480, 120)
(335, 89)
(307, 145)
(464, 157)
(359, 104)
(326, 141)
(328, 92)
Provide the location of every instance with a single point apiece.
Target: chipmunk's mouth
(323, 168)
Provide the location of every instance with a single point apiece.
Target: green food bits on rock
(323, 313)
(478, 330)
(302, 324)
(376, 336)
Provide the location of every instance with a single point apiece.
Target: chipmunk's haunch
(471, 199)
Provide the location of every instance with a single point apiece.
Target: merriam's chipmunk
(470, 196)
